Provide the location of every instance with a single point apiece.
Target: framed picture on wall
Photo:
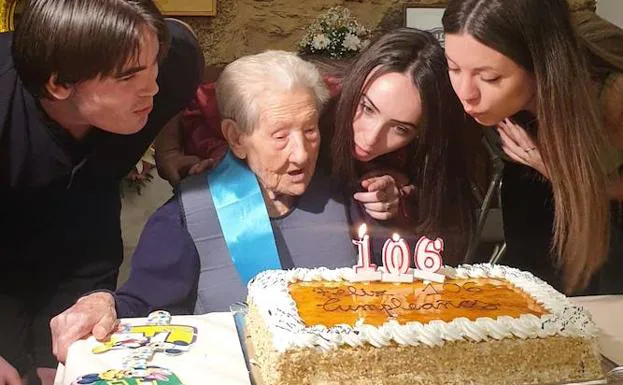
(425, 17)
(187, 7)
(10, 11)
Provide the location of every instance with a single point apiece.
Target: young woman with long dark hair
(519, 65)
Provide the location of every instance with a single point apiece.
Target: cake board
(247, 348)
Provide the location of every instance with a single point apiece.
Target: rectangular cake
(486, 324)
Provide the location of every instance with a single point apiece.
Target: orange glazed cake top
(333, 303)
(322, 308)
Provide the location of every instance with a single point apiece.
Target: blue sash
(243, 218)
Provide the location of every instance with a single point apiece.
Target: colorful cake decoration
(153, 375)
(143, 343)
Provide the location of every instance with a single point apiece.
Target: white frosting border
(269, 292)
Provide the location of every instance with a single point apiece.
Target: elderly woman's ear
(234, 137)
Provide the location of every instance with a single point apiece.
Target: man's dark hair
(78, 40)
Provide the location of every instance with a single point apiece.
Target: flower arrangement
(335, 33)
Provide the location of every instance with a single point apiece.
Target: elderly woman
(262, 207)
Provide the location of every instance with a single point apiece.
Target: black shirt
(59, 198)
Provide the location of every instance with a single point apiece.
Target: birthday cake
(484, 324)
(160, 350)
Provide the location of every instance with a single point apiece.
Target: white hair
(243, 83)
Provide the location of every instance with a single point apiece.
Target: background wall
(611, 10)
(243, 27)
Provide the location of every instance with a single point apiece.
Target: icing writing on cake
(389, 302)
(375, 303)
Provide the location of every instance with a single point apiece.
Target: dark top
(60, 197)
(172, 271)
(528, 214)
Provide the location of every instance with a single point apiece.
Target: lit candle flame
(395, 237)
(363, 229)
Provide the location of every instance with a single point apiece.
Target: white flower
(148, 158)
(351, 42)
(361, 30)
(320, 41)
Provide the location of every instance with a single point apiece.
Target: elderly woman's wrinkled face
(283, 148)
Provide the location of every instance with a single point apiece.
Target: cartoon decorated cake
(160, 350)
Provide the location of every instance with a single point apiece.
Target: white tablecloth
(607, 311)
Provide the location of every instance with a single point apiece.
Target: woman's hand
(381, 198)
(93, 314)
(517, 144)
(384, 189)
(173, 164)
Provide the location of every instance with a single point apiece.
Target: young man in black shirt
(85, 86)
